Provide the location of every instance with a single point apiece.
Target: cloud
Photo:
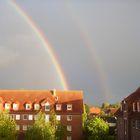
(7, 56)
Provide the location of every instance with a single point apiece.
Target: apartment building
(24, 105)
(128, 118)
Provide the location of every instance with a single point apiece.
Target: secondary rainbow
(92, 51)
(43, 40)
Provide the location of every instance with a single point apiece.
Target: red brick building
(128, 118)
(25, 104)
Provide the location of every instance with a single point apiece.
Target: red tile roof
(95, 110)
(39, 96)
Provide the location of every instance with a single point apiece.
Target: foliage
(7, 127)
(87, 109)
(85, 114)
(42, 130)
(96, 129)
(108, 105)
(105, 105)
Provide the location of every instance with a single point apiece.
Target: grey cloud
(7, 57)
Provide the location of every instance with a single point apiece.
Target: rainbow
(43, 40)
(92, 51)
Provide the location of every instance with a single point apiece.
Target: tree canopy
(45, 130)
(96, 129)
(7, 127)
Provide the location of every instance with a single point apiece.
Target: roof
(130, 99)
(39, 96)
(133, 95)
(95, 110)
(112, 110)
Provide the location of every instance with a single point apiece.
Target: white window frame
(36, 106)
(138, 106)
(24, 127)
(69, 118)
(69, 138)
(58, 107)
(17, 127)
(15, 106)
(12, 116)
(17, 117)
(47, 105)
(30, 117)
(7, 106)
(47, 117)
(69, 107)
(25, 115)
(28, 105)
(35, 117)
(69, 128)
(134, 107)
(58, 117)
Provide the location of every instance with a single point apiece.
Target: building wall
(120, 129)
(75, 123)
(135, 132)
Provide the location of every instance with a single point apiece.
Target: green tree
(42, 130)
(87, 108)
(105, 105)
(97, 129)
(7, 127)
(85, 114)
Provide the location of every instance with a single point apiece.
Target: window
(17, 117)
(36, 106)
(69, 138)
(12, 116)
(69, 106)
(17, 127)
(15, 106)
(133, 124)
(28, 106)
(24, 127)
(134, 107)
(30, 117)
(47, 107)
(69, 117)
(58, 117)
(138, 106)
(35, 117)
(25, 117)
(69, 128)
(47, 118)
(7, 106)
(137, 124)
(58, 107)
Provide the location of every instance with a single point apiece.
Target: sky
(96, 43)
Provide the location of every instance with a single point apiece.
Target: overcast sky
(97, 44)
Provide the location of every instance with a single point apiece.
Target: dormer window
(7, 106)
(15, 106)
(58, 107)
(28, 106)
(138, 106)
(36, 106)
(47, 106)
(69, 106)
(134, 107)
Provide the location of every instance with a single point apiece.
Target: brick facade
(128, 118)
(25, 104)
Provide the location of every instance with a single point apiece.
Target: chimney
(54, 94)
